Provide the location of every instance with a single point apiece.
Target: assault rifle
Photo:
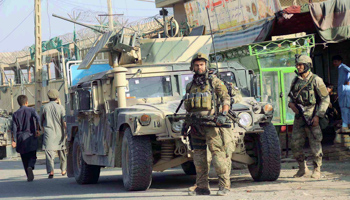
(301, 111)
(197, 120)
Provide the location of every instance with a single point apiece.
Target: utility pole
(38, 61)
(110, 15)
(65, 81)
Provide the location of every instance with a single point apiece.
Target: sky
(17, 18)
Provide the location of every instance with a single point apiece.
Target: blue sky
(13, 12)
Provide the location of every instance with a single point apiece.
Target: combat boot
(199, 191)
(223, 191)
(316, 173)
(303, 170)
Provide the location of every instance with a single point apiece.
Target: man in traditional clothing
(25, 128)
(53, 123)
(343, 91)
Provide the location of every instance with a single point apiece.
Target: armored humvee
(124, 117)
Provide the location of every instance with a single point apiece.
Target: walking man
(343, 91)
(216, 139)
(25, 128)
(53, 123)
(306, 88)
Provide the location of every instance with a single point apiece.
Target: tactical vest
(303, 92)
(198, 99)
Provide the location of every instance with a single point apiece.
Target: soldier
(305, 89)
(210, 90)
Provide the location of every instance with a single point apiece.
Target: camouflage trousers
(220, 145)
(314, 133)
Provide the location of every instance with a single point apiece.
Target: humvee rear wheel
(189, 168)
(83, 173)
(267, 153)
(136, 161)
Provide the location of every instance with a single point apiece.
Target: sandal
(50, 176)
(64, 173)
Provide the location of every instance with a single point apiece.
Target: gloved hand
(221, 120)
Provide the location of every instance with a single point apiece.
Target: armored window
(84, 99)
(148, 87)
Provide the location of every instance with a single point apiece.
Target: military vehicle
(124, 117)
(6, 149)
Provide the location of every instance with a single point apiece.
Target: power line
(16, 26)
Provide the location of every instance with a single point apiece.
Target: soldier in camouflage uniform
(305, 89)
(218, 140)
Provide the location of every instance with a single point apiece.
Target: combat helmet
(199, 56)
(303, 59)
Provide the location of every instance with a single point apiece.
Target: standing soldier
(204, 97)
(307, 89)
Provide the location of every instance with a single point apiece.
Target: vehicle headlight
(177, 126)
(245, 119)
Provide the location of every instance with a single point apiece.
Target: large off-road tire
(136, 161)
(267, 152)
(83, 173)
(189, 168)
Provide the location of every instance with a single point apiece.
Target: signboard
(226, 15)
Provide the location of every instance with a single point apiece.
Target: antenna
(212, 38)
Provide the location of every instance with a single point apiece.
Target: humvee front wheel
(83, 173)
(267, 153)
(189, 168)
(136, 161)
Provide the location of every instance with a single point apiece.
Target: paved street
(172, 184)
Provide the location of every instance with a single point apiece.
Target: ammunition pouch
(198, 102)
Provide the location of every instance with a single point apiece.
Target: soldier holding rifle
(207, 97)
(309, 100)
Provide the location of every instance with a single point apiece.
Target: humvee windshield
(148, 87)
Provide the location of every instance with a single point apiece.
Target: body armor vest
(198, 99)
(303, 92)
